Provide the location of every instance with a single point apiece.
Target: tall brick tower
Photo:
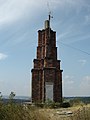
(46, 74)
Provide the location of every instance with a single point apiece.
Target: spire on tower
(49, 11)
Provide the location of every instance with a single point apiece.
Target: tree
(11, 96)
(0, 96)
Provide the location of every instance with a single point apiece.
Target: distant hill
(17, 99)
(22, 99)
(85, 100)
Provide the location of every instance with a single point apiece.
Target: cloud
(64, 2)
(87, 19)
(82, 62)
(67, 77)
(15, 9)
(85, 82)
(77, 5)
(68, 81)
(69, 86)
(11, 11)
(3, 56)
(74, 88)
(63, 35)
(84, 87)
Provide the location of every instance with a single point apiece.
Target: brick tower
(46, 74)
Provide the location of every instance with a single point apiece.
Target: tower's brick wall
(46, 67)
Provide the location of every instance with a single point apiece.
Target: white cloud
(64, 2)
(85, 82)
(87, 19)
(72, 88)
(3, 56)
(67, 77)
(63, 35)
(84, 88)
(11, 10)
(82, 62)
(69, 86)
(68, 82)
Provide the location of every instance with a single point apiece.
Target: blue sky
(19, 22)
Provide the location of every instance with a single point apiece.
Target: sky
(19, 22)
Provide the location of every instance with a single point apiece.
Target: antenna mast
(49, 16)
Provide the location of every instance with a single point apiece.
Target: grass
(20, 112)
(12, 111)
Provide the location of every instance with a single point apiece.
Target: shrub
(76, 101)
(65, 104)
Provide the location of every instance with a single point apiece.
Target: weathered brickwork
(46, 67)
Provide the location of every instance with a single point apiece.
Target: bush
(41, 105)
(65, 104)
(76, 101)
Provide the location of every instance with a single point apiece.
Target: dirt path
(72, 113)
